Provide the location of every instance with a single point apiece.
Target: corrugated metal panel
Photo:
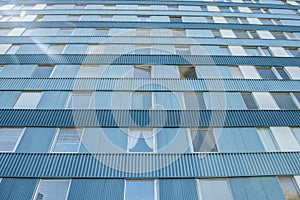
(152, 118)
(114, 84)
(15, 188)
(264, 188)
(174, 189)
(96, 189)
(64, 165)
(157, 2)
(148, 40)
(149, 59)
(120, 24)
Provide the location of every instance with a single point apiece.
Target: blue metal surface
(16, 189)
(149, 59)
(68, 165)
(151, 118)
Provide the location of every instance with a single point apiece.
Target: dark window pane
(297, 95)
(284, 101)
(266, 73)
(249, 101)
(42, 72)
(194, 101)
(175, 19)
(187, 72)
(203, 141)
(282, 73)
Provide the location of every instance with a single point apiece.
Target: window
(284, 101)
(187, 72)
(90, 71)
(178, 32)
(65, 32)
(241, 34)
(254, 34)
(203, 141)
(175, 19)
(135, 189)
(28, 100)
(67, 140)
(290, 190)
(141, 140)
(216, 33)
(282, 73)
(235, 72)
(52, 189)
(232, 20)
(141, 100)
(249, 101)
(183, 50)
(211, 189)
(172, 7)
(252, 51)
(9, 138)
(142, 71)
(266, 73)
(268, 140)
(80, 100)
(194, 101)
(73, 17)
(143, 18)
(42, 71)
(55, 48)
(101, 32)
(279, 35)
(296, 132)
(294, 52)
(143, 32)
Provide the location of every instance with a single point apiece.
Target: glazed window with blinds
(203, 141)
(141, 140)
(289, 187)
(135, 189)
(52, 190)
(67, 140)
(266, 73)
(9, 138)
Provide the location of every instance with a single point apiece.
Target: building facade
(149, 100)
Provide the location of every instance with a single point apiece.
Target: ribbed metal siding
(120, 24)
(149, 59)
(16, 189)
(134, 118)
(66, 165)
(177, 189)
(157, 2)
(111, 84)
(147, 40)
(96, 189)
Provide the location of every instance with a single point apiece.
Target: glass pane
(187, 72)
(284, 101)
(267, 139)
(203, 141)
(52, 190)
(42, 72)
(80, 101)
(9, 138)
(296, 132)
(212, 189)
(282, 73)
(68, 140)
(266, 73)
(140, 141)
(141, 100)
(289, 188)
(142, 72)
(28, 100)
(139, 189)
(194, 101)
(249, 101)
